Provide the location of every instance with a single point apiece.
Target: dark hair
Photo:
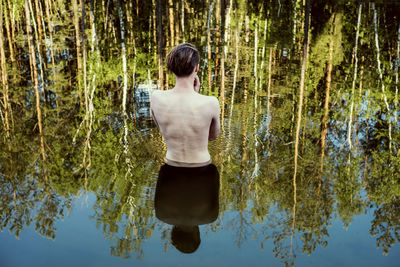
(182, 59)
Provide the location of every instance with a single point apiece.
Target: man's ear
(196, 69)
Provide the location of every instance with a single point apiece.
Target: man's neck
(184, 84)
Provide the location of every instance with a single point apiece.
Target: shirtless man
(186, 119)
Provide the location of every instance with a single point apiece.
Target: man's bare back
(187, 121)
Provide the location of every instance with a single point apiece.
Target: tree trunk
(12, 18)
(218, 23)
(396, 101)
(171, 22)
(38, 48)
(227, 34)
(299, 113)
(378, 61)
(353, 86)
(10, 39)
(39, 26)
(160, 46)
(294, 32)
(78, 46)
(255, 58)
(235, 73)
(247, 24)
(269, 92)
(83, 37)
(223, 56)
(359, 102)
(324, 118)
(264, 40)
(92, 84)
(209, 43)
(35, 77)
(4, 78)
(183, 21)
(51, 39)
(124, 65)
(256, 162)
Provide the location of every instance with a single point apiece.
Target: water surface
(80, 189)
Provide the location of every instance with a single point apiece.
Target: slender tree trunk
(38, 49)
(227, 34)
(222, 89)
(294, 24)
(160, 46)
(51, 40)
(396, 101)
(35, 78)
(103, 11)
(324, 119)
(218, 28)
(11, 8)
(223, 56)
(4, 78)
(353, 86)
(247, 24)
(39, 25)
(256, 162)
(299, 113)
(171, 22)
(10, 39)
(78, 46)
(255, 57)
(154, 21)
(359, 102)
(83, 37)
(264, 41)
(247, 55)
(124, 65)
(378, 61)
(209, 43)
(269, 93)
(183, 20)
(235, 73)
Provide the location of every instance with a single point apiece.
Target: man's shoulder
(157, 94)
(210, 99)
(211, 102)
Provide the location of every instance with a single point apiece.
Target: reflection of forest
(69, 122)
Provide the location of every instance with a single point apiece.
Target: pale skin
(187, 120)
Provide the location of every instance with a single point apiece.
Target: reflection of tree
(52, 209)
(383, 188)
(347, 186)
(26, 202)
(124, 157)
(385, 226)
(25, 196)
(123, 208)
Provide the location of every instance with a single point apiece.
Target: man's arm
(215, 124)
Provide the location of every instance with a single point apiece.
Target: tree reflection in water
(88, 132)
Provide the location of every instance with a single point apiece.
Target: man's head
(183, 59)
(186, 238)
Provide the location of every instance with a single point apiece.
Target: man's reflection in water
(187, 197)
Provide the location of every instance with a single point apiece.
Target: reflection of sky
(79, 243)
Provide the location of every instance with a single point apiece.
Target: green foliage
(121, 169)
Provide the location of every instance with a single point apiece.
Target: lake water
(89, 186)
